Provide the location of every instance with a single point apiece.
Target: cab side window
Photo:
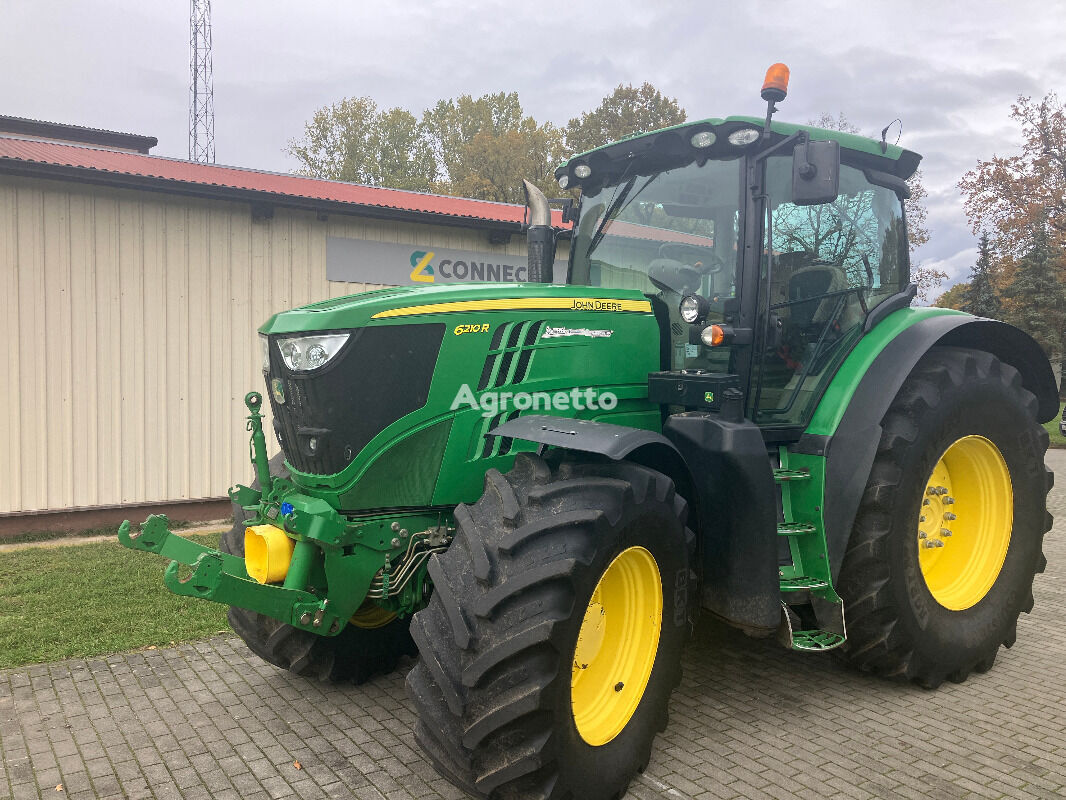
(831, 264)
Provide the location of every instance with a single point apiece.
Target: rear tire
(355, 654)
(905, 618)
(588, 551)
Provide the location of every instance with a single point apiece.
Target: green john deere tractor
(727, 404)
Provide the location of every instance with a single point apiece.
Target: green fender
(846, 426)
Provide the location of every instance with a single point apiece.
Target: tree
(982, 299)
(485, 147)
(352, 141)
(1012, 194)
(624, 112)
(927, 278)
(1038, 295)
(957, 297)
(1021, 199)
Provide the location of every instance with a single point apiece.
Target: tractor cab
(765, 249)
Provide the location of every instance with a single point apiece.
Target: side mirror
(815, 172)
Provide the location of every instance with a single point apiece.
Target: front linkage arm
(318, 531)
(221, 577)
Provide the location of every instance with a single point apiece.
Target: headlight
(744, 136)
(702, 139)
(306, 353)
(264, 349)
(582, 170)
(693, 308)
(564, 181)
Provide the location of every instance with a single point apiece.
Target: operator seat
(817, 280)
(811, 330)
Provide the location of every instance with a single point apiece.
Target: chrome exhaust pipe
(540, 235)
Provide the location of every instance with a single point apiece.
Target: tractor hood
(412, 303)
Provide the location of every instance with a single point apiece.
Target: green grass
(1057, 439)
(81, 601)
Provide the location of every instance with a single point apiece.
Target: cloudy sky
(949, 70)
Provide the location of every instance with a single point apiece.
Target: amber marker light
(775, 87)
(713, 335)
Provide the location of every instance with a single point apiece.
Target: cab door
(831, 265)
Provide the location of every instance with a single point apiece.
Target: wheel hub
(616, 646)
(965, 522)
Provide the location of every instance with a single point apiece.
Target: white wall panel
(129, 326)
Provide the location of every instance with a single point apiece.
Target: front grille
(380, 375)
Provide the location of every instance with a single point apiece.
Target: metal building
(131, 287)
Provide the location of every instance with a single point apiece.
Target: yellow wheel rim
(965, 523)
(616, 647)
(371, 616)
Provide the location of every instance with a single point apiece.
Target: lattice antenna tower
(201, 88)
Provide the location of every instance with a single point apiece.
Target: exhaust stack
(540, 235)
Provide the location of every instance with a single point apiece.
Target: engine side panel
(547, 349)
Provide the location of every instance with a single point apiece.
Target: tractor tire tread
(522, 548)
(864, 576)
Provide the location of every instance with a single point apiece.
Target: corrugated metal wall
(129, 321)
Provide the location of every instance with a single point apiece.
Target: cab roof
(674, 142)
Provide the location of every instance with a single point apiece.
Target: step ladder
(807, 581)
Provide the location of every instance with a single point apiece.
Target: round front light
(292, 354)
(690, 308)
(744, 136)
(316, 356)
(564, 181)
(582, 170)
(703, 139)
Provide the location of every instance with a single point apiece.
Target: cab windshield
(668, 233)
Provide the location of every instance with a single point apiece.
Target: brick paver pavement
(209, 719)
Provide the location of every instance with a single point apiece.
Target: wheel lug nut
(921, 518)
(921, 534)
(931, 490)
(949, 501)
(925, 501)
(945, 532)
(949, 516)
(941, 490)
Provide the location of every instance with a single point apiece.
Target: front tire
(949, 533)
(553, 637)
(371, 644)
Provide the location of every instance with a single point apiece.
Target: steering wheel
(704, 260)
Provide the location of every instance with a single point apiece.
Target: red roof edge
(136, 170)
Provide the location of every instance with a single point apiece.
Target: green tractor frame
(727, 405)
